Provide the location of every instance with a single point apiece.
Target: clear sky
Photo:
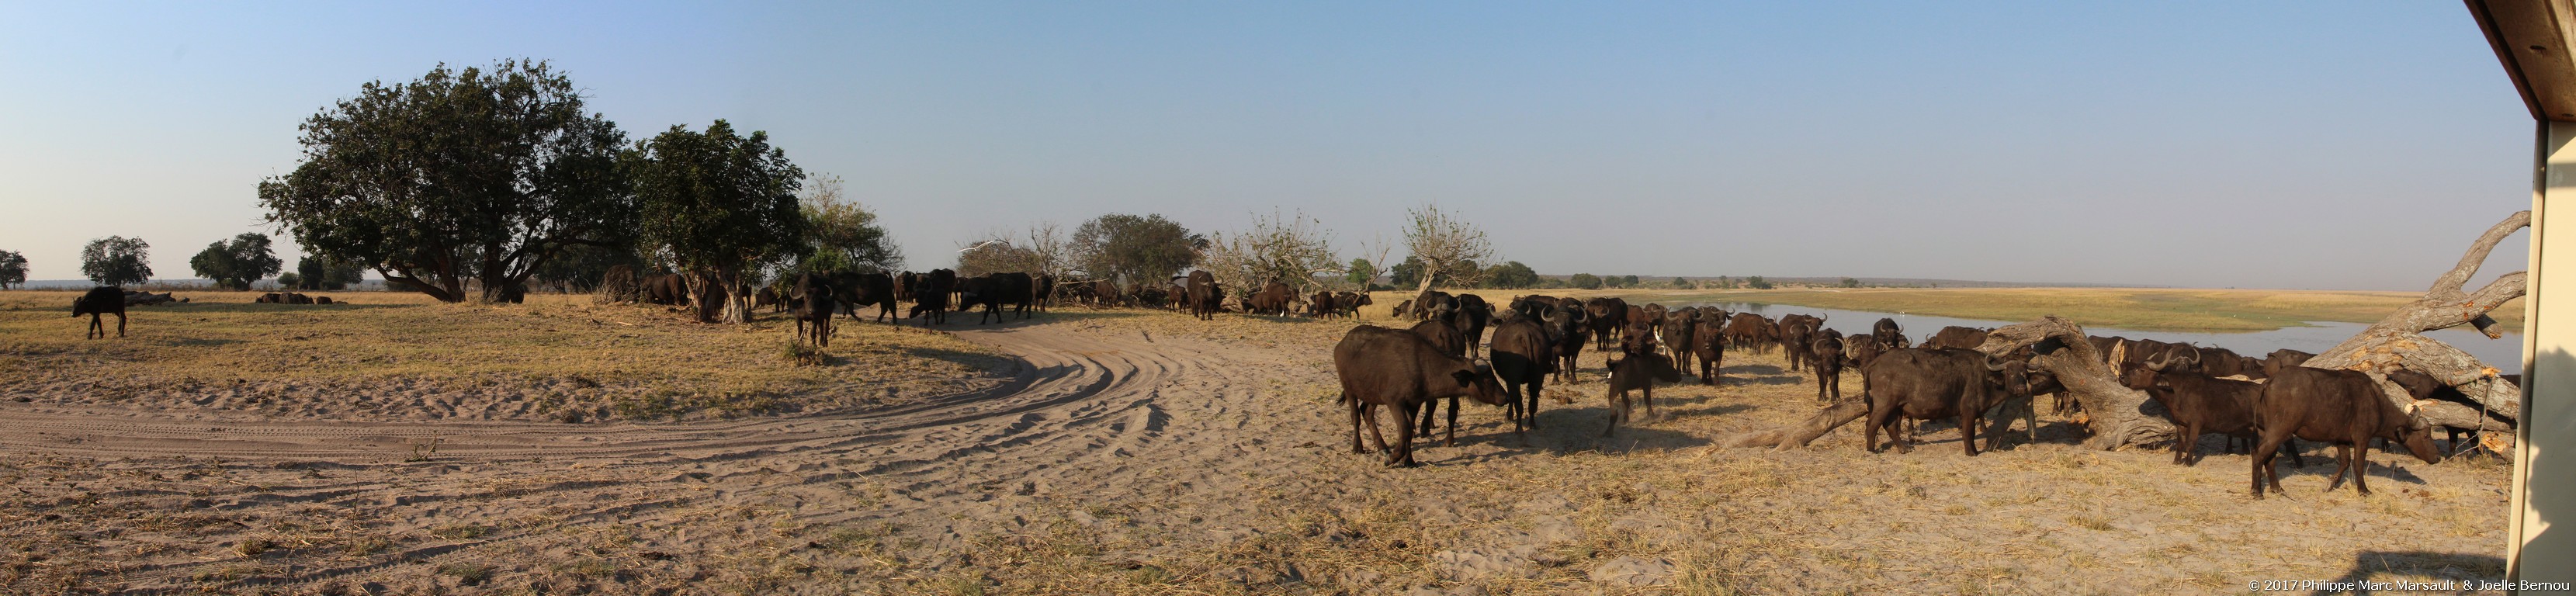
(2285, 145)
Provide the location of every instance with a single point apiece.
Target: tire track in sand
(1094, 414)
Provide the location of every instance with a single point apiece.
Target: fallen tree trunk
(1839, 413)
(2116, 415)
(2397, 341)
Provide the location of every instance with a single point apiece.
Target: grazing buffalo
(985, 291)
(1827, 349)
(1931, 384)
(1523, 355)
(1565, 329)
(2423, 386)
(1016, 290)
(1679, 327)
(860, 290)
(667, 289)
(1606, 315)
(1105, 294)
(1887, 333)
(1275, 298)
(1709, 346)
(1965, 338)
(2341, 407)
(930, 296)
(1860, 350)
(1382, 368)
(1042, 291)
(1797, 337)
(101, 301)
(1473, 316)
(768, 298)
(1750, 330)
(1350, 303)
(1322, 305)
(2200, 403)
(2283, 358)
(1637, 371)
(814, 309)
(1205, 297)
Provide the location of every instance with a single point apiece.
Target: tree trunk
(1841, 412)
(2116, 415)
(2397, 341)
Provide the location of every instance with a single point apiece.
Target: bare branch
(2450, 282)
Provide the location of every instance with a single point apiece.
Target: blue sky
(2354, 146)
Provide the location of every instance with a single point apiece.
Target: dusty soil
(1146, 452)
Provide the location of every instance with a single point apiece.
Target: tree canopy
(325, 273)
(1510, 275)
(842, 234)
(474, 174)
(235, 263)
(718, 204)
(1134, 249)
(1362, 273)
(116, 261)
(1445, 244)
(1586, 281)
(13, 269)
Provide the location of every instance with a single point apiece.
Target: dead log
(1841, 412)
(2397, 341)
(2117, 416)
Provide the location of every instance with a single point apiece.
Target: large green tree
(1134, 249)
(116, 261)
(13, 269)
(1510, 275)
(477, 174)
(235, 263)
(720, 205)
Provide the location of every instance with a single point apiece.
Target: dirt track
(1147, 453)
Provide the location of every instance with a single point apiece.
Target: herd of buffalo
(2266, 401)
(1446, 354)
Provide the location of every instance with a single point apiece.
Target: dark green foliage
(1682, 283)
(1850, 282)
(1628, 281)
(719, 204)
(1408, 273)
(324, 273)
(116, 261)
(1362, 273)
(1757, 283)
(1510, 275)
(473, 174)
(1133, 249)
(234, 264)
(13, 269)
(1585, 281)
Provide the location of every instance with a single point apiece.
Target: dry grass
(406, 356)
(2125, 308)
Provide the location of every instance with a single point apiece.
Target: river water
(2505, 354)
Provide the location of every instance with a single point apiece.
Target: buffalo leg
(2264, 450)
(2344, 455)
(1536, 388)
(1355, 424)
(120, 326)
(1968, 432)
(1402, 456)
(1452, 441)
(1869, 432)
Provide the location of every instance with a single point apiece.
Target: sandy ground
(1136, 452)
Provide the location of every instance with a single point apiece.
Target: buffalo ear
(1465, 378)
